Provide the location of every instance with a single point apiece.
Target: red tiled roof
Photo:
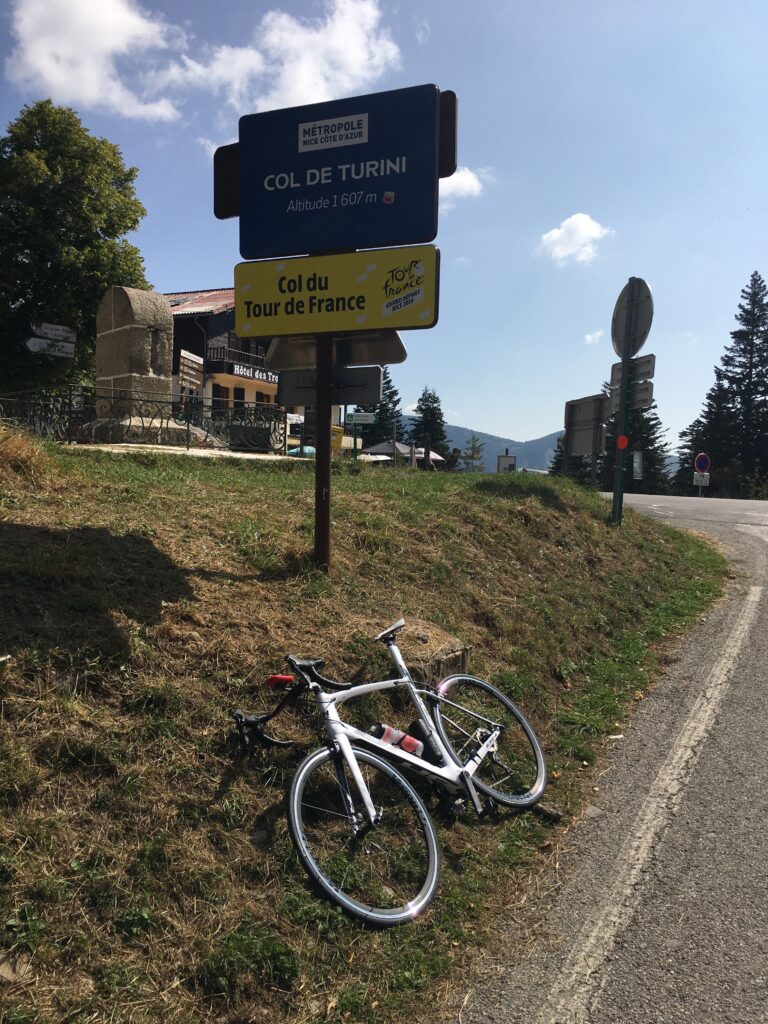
(210, 300)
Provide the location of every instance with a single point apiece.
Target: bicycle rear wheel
(514, 773)
(385, 874)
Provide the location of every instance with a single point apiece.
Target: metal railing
(225, 354)
(91, 415)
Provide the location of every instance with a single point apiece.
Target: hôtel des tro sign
(358, 173)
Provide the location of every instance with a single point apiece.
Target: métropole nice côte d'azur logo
(351, 130)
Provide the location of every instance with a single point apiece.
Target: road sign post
(323, 455)
(327, 179)
(701, 466)
(631, 323)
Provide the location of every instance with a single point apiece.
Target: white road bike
(360, 828)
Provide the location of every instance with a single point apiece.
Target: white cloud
(575, 241)
(294, 61)
(230, 69)
(422, 31)
(594, 338)
(104, 54)
(208, 145)
(464, 184)
(70, 50)
(312, 62)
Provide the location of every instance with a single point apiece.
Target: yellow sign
(355, 291)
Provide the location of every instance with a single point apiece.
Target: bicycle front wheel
(513, 772)
(384, 874)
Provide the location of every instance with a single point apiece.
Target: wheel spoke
(513, 769)
(383, 869)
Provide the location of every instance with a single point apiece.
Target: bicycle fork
(346, 757)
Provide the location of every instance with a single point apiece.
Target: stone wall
(134, 343)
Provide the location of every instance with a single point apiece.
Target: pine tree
(733, 426)
(744, 374)
(472, 456)
(428, 427)
(68, 202)
(388, 415)
(715, 433)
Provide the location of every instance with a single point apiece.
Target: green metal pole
(623, 414)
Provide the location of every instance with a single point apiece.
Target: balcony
(236, 363)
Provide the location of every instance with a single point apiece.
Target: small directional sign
(358, 386)
(56, 332)
(361, 419)
(49, 347)
(642, 397)
(641, 368)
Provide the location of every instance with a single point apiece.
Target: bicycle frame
(342, 734)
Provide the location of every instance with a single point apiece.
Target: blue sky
(598, 139)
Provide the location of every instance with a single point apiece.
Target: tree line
(732, 427)
(425, 430)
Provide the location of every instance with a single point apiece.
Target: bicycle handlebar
(309, 671)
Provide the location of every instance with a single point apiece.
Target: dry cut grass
(22, 457)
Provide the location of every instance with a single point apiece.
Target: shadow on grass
(522, 485)
(60, 589)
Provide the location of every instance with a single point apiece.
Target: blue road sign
(701, 463)
(358, 173)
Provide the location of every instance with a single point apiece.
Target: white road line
(657, 509)
(575, 993)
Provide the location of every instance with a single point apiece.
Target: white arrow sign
(65, 349)
(56, 332)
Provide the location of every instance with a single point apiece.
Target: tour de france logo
(403, 287)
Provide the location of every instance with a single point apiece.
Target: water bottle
(398, 738)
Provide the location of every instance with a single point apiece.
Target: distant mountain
(536, 454)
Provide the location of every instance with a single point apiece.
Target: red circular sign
(622, 441)
(701, 463)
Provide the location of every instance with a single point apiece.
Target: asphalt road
(659, 908)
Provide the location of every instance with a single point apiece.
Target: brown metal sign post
(297, 160)
(323, 453)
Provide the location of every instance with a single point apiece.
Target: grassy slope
(147, 870)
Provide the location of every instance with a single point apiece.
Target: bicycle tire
(389, 873)
(515, 774)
